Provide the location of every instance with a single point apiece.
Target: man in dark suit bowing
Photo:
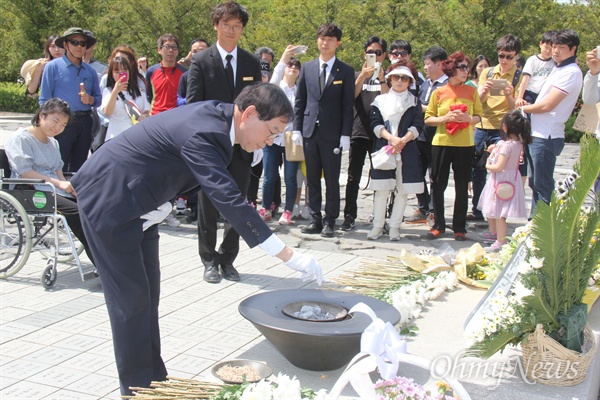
(324, 113)
(124, 189)
(220, 73)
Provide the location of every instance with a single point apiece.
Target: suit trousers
(320, 159)
(207, 217)
(461, 160)
(359, 148)
(75, 142)
(131, 286)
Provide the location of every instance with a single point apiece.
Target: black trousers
(208, 215)
(75, 142)
(68, 208)
(358, 151)
(320, 159)
(424, 199)
(460, 158)
(131, 285)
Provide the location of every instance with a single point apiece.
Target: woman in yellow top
(454, 108)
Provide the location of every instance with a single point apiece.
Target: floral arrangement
(401, 388)
(285, 388)
(411, 298)
(562, 254)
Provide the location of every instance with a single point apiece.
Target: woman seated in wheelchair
(33, 153)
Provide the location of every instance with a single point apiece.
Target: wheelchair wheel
(50, 274)
(65, 251)
(15, 235)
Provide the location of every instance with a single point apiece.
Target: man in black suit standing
(220, 73)
(323, 113)
(123, 192)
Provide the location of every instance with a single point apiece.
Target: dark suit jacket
(207, 80)
(147, 165)
(333, 108)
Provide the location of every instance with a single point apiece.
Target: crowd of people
(465, 114)
(451, 118)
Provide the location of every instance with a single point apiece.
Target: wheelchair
(29, 221)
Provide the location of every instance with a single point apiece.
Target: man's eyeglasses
(463, 67)
(378, 53)
(80, 43)
(502, 56)
(272, 135)
(232, 28)
(403, 78)
(399, 53)
(169, 47)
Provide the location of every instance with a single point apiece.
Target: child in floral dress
(503, 164)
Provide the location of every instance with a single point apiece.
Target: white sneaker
(394, 234)
(171, 221)
(305, 213)
(375, 233)
(180, 206)
(296, 211)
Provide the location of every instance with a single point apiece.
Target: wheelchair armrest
(68, 175)
(17, 181)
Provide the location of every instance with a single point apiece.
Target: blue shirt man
(71, 79)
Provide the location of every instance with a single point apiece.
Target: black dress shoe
(229, 272)
(211, 274)
(327, 231)
(313, 227)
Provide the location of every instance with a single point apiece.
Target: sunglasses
(503, 56)
(403, 78)
(399, 53)
(80, 43)
(463, 67)
(378, 53)
(170, 47)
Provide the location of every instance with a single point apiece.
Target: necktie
(322, 77)
(229, 72)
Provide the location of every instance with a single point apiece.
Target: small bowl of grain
(238, 371)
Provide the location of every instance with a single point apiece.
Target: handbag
(384, 159)
(293, 151)
(505, 190)
(131, 109)
(480, 158)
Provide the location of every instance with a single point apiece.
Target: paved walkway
(57, 344)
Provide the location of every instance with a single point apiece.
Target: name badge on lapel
(338, 82)
(247, 78)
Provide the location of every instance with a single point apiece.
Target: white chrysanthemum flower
(287, 389)
(321, 395)
(524, 267)
(491, 327)
(518, 319)
(536, 262)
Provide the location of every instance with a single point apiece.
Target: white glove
(297, 138)
(157, 216)
(306, 264)
(345, 143)
(257, 156)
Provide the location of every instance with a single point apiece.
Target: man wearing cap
(73, 80)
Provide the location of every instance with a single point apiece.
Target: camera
(301, 49)
(370, 60)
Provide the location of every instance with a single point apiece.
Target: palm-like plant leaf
(562, 237)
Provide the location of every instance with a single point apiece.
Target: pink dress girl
(489, 204)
